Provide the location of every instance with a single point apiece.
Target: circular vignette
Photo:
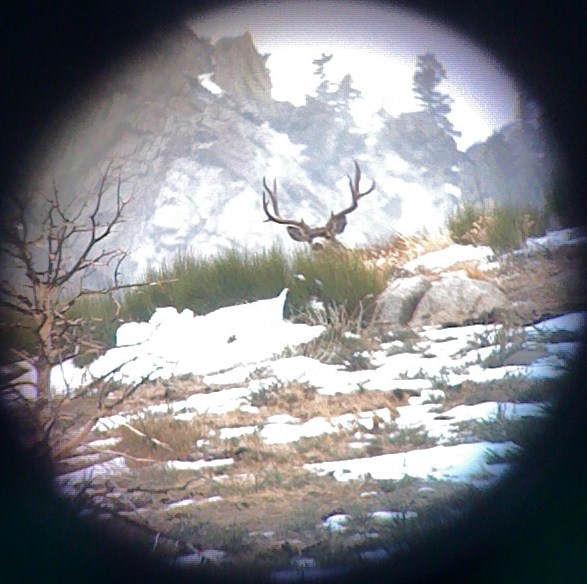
(529, 527)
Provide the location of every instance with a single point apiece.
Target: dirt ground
(269, 508)
(547, 284)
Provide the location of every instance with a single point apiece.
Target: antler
(299, 230)
(338, 221)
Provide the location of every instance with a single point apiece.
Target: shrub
(504, 228)
(462, 222)
(510, 227)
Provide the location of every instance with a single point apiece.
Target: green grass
(460, 222)
(512, 226)
(504, 228)
(338, 279)
(206, 284)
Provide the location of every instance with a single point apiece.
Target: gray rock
(397, 302)
(456, 300)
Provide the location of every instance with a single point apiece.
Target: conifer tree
(429, 74)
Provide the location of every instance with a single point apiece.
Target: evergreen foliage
(429, 74)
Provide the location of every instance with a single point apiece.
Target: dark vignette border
(534, 528)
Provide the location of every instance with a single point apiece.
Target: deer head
(299, 230)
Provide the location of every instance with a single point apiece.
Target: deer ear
(296, 233)
(338, 224)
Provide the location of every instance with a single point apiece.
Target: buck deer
(300, 231)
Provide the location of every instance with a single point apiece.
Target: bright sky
(378, 46)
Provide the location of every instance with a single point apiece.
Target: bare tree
(299, 230)
(48, 266)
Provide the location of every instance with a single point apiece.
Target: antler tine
(298, 230)
(273, 197)
(337, 222)
(354, 185)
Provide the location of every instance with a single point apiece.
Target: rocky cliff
(193, 128)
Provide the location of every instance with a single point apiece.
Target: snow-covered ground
(238, 348)
(245, 351)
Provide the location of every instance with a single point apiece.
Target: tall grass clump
(206, 284)
(462, 223)
(503, 227)
(98, 323)
(510, 227)
(338, 278)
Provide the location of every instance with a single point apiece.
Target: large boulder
(457, 299)
(396, 304)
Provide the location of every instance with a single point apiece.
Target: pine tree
(429, 74)
(322, 89)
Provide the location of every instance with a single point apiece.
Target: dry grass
(160, 437)
(291, 504)
(399, 249)
(266, 489)
(304, 402)
(514, 389)
(291, 512)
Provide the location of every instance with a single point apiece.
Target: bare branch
(64, 449)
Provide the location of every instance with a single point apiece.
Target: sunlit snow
(461, 463)
(206, 80)
(173, 343)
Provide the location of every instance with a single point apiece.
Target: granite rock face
(396, 304)
(192, 127)
(457, 300)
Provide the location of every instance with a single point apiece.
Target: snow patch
(205, 80)
(459, 463)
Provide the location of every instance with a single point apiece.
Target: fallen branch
(124, 455)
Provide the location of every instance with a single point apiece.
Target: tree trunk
(43, 378)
